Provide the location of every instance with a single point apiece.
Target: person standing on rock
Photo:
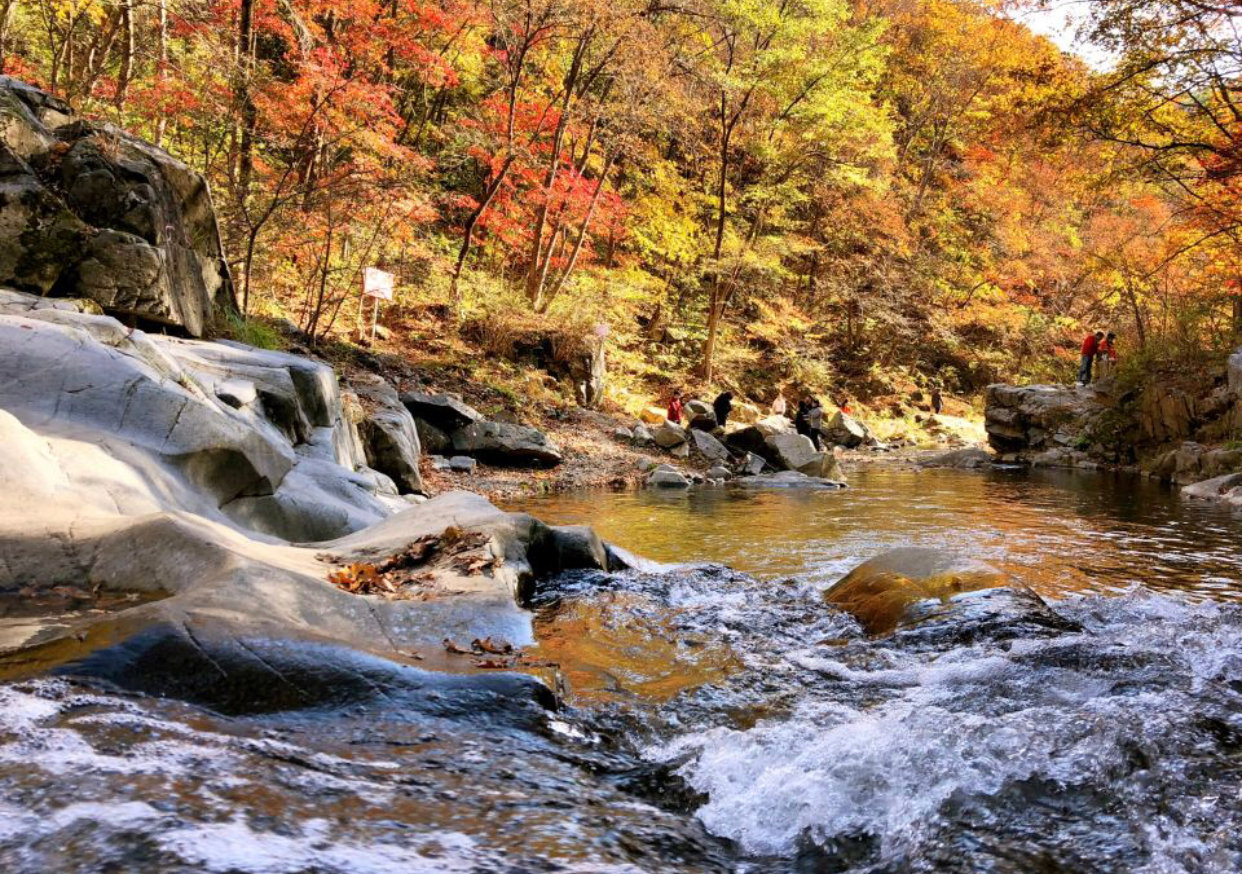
(937, 402)
(815, 421)
(674, 409)
(1090, 348)
(722, 406)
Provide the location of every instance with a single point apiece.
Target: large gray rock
(444, 412)
(1025, 420)
(388, 433)
(506, 445)
(789, 479)
(664, 478)
(86, 210)
(968, 458)
(708, 446)
(793, 451)
(1225, 489)
(700, 415)
(844, 430)
(669, 435)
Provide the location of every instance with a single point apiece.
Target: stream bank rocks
(207, 481)
(446, 424)
(88, 211)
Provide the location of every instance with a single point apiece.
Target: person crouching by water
(1106, 358)
(1090, 348)
(674, 409)
(722, 406)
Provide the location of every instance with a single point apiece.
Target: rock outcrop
(1027, 420)
(389, 435)
(506, 445)
(88, 211)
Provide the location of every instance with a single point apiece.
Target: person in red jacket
(674, 408)
(1106, 357)
(1090, 346)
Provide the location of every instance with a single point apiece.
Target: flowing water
(720, 717)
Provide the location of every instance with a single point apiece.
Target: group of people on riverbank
(1099, 357)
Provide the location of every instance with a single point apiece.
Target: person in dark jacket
(937, 401)
(801, 425)
(723, 405)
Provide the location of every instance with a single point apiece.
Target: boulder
(642, 434)
(682, 451)
(754, 438)
(825, 465)
(753, 464)
(844, 430)
(1026, 420)
(789, 479)
(793, 451)
(701, 415)
(1225, 489)
(389, 436)
(969, 458)
(444, 412)
(667, 478)
(506, 445)
(915, 585)
(708, 446)
(88, 211)
(653, 415)
(719, 473)
(462, 464)
(669, 435)
(623, 434)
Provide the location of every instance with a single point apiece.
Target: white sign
(377, 283)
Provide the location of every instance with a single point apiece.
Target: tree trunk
(127, 54)
(161, 70)
(468, 234)
(1237, 316)
(249, 114)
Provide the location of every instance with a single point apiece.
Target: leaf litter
(407, 575)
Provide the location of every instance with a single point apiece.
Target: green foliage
(253, 332)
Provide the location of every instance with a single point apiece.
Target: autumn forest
(809, 192)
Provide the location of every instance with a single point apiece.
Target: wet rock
(708, 446)
(669, 434)
(913, 585)
(667, 478)
(86, 210)
(1225, 489)
(969, 458)
(507, 445)
(789, 479)
(389, 436)
(444, 412)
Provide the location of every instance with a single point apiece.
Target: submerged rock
(789, 479)
(913, 585)
(665, 477)
(968, 458)
(1226, 489)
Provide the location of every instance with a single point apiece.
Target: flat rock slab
(506, 445)
(788, 479)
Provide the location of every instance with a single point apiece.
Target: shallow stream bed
(720, 717)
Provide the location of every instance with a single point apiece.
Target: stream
(719, 716)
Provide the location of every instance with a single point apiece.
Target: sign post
(376, 284)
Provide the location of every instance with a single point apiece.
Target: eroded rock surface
(86, 210)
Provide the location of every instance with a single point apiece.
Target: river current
(720, 717)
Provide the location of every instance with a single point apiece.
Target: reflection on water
(1059, 531)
